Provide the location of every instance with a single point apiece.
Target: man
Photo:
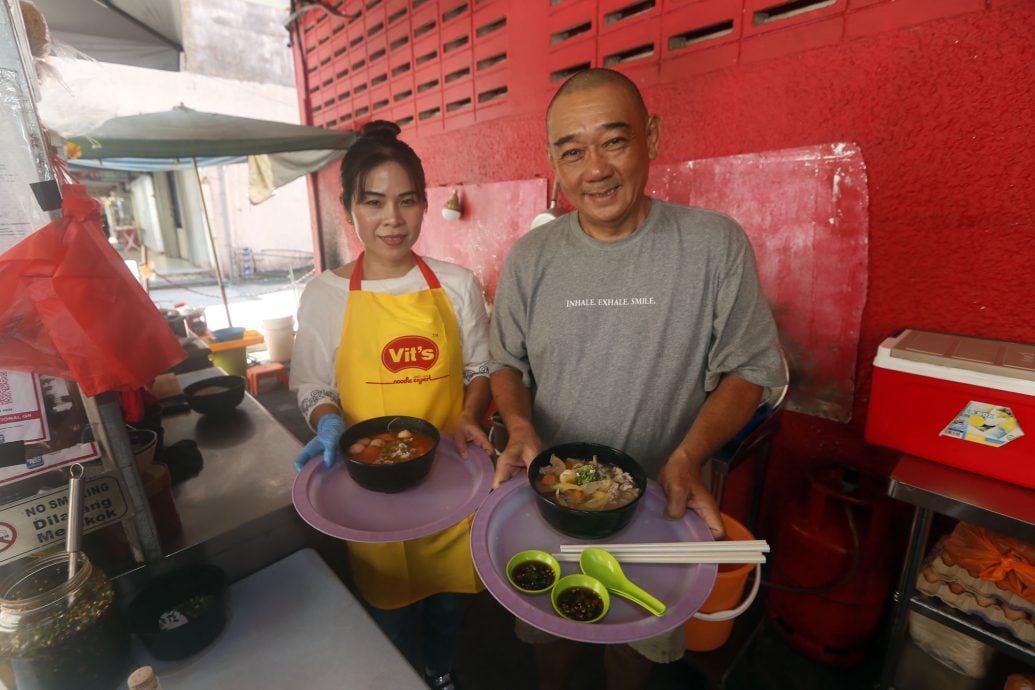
(632, 322)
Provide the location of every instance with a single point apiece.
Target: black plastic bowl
(220, 402)
(587, 524)
(194, 594)
(389, 477)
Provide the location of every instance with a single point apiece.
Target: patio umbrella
(183, 134)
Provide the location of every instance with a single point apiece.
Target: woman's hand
(468, 430)
(328, 432)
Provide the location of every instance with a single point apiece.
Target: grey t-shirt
(621, 341)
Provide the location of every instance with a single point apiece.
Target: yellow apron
(401, 354)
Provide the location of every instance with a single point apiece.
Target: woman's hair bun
(380, 129)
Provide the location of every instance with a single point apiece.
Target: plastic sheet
(70, 308)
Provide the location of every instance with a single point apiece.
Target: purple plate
(508, 521)
(332, 502)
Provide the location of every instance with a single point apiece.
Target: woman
(345, 319)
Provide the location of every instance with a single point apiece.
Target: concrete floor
(249, 302)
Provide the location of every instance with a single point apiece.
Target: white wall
(80, 94)
(142, 193)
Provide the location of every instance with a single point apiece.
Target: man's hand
(516, 457)
(684, 489)
(468, 430)
(725, 411)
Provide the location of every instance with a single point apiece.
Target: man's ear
(653, 135)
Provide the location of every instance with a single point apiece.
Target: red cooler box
(922, 381)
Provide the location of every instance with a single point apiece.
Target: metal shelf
(972, 626)
(996, 505)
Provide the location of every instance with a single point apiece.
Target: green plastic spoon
(605, 567)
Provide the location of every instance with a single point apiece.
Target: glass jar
(62, 633)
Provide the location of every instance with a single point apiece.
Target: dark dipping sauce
(532, 575)
(580, 603)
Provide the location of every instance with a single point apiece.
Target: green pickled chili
(62, 633)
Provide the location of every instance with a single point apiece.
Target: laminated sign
(41, 520)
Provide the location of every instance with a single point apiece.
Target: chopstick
(713, 557)
(757, 545)
(743, 551)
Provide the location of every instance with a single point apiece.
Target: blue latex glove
(328, 432)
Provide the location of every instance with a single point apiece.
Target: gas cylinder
(832, 564)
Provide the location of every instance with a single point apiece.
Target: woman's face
(387, 213)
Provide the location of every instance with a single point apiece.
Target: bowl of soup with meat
(215, 395)
(586, 490)
(389, 454)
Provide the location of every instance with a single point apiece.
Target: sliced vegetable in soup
(586, 484)
(389, 448)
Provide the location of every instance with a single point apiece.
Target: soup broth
(391, 448)
(586, 485)
(210, 390)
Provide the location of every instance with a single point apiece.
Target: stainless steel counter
(997, 505)
(247, 471)
(237, 512)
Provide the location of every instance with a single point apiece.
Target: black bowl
(587, 524)
(215, 395)
(194, 594)
(389, 477)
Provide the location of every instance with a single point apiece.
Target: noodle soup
(586, 484)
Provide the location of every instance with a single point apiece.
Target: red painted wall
(943, 111)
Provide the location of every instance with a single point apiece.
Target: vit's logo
(409, 352)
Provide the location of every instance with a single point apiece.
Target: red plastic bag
(70, 308)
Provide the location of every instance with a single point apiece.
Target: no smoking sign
(39, 521)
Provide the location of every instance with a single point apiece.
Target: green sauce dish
(580, 598)
(533, 571)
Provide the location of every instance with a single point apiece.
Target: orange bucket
(710, 631)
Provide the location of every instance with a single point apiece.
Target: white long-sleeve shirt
(321, 313)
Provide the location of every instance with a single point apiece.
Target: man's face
(600, 148)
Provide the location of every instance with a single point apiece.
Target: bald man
(632, 322)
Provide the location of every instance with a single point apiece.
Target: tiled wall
(439, 65)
